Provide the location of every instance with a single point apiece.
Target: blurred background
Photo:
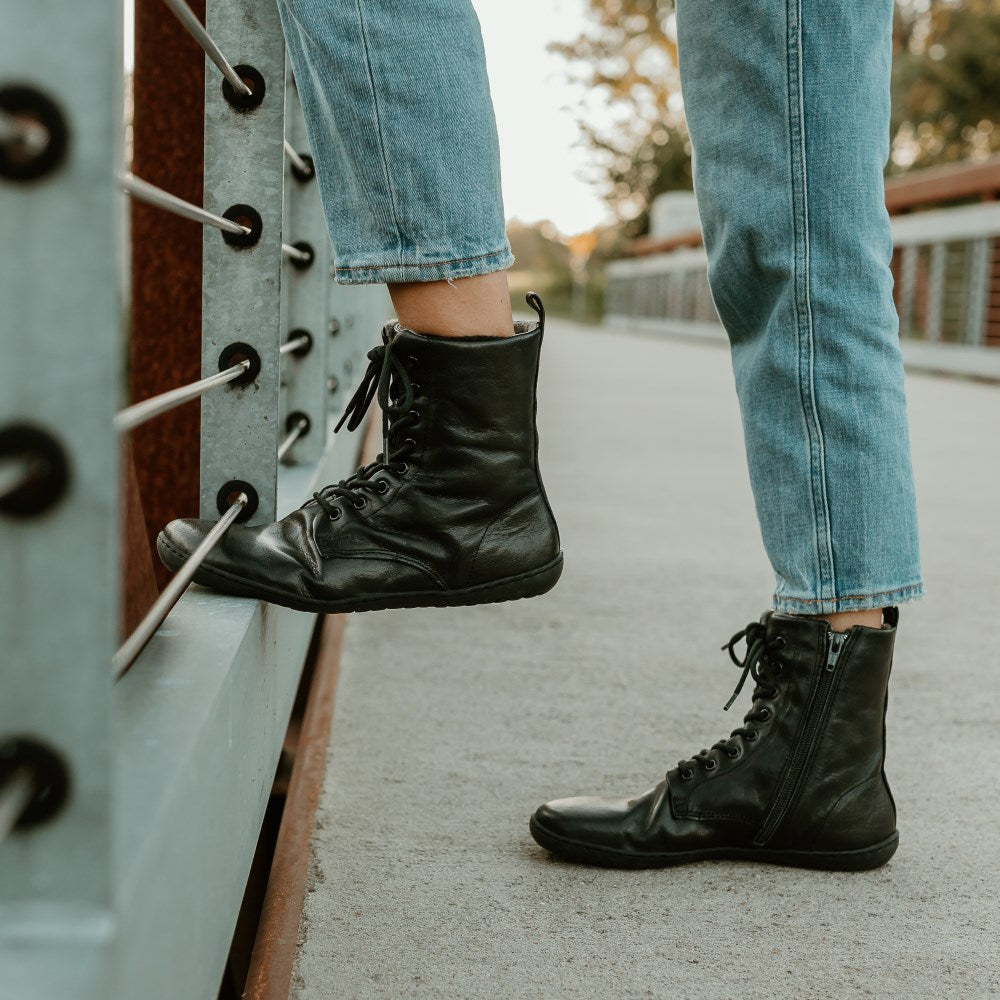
(592, 126)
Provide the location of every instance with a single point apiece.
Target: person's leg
(401, 125)
(453, 511)
(466, 307)
(788, 110)
(789, 120)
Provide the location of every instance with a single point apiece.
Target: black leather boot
(453, 512)
(801, 782)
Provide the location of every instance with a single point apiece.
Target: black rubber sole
(513, 588)
(864, 859)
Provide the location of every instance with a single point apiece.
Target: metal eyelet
(765, 714)
(751, 735)
(780, 641)
(713, 762)
(360, 503)
(415, 414)
(732, 753)
(382, 486)
(687, 775)
(403, 468)
(335, 515)
(410, 441)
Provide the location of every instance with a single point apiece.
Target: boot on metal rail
(452, 512)
(800, 783)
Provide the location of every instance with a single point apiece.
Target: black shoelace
(760, 663)
(389, 378)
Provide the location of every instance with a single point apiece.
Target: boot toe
(179, 539)
(585, 820)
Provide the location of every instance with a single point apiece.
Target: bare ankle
(478, 306)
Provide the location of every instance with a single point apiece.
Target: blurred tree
(946, 82)
(627, 57)
(946, 93)
(538, 247)
(544, 262)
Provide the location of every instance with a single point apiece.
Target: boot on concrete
(453, 511)
(800, 783)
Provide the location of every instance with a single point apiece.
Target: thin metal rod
(15, 795)
(197, 31)
(164, 604)
(16, 471)
(293, 435)
(145, 191)
(294, 253)
(296, 160)
(139, 413)
(293, 345)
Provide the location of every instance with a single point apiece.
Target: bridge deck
(451, 726)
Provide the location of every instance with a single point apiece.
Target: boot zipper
(815, 720)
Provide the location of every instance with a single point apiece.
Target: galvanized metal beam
(306, 309)
(357, 315)
(241, 284)
(61, 337)
(202, 714)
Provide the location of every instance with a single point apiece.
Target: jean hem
(440, 270)
(850, 602)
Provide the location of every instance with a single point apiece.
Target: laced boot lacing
(388, 376)
(762, 665)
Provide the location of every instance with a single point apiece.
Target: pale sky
(542, 158)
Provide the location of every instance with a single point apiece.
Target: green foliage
(542, 264)
(946, 82)
(537, 247)
(627, 57)
(946, 93)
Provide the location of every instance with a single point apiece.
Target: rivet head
(332, 384)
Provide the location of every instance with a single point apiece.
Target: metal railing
(104, 787)
(947, 270)
(946, 267)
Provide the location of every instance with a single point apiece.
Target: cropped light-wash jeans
(787, 104)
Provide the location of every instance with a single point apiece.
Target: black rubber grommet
(17, 161)
(50, 777)
(304, 175)
(48, 470)
(303, 265)
(245, 215)
(226, 497)
(292, 420)
(233, 354)
(254, 80)
(303, 349)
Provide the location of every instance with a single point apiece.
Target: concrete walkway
(451, 726)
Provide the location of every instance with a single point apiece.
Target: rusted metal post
(168, 141)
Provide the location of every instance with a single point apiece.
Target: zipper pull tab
(835, 642)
